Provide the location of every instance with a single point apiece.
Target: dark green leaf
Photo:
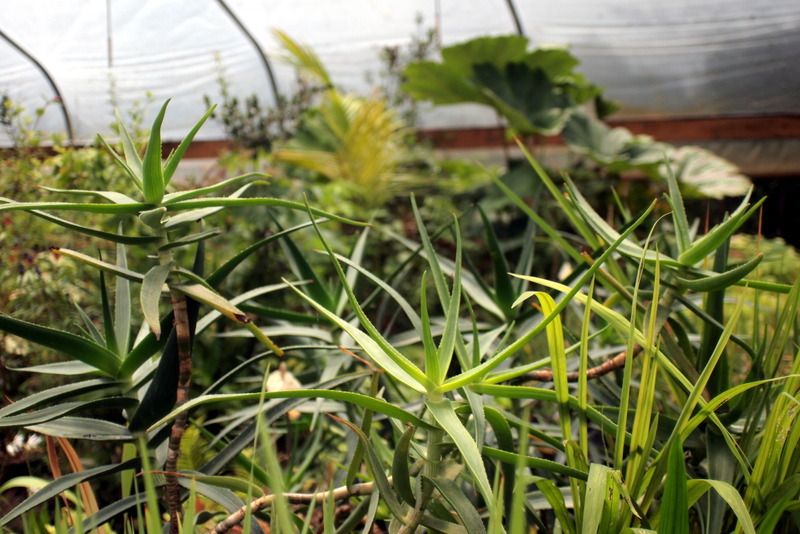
(400, 476)
(674, 511)
(77, 347)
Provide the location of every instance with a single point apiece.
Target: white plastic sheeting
(680, 58)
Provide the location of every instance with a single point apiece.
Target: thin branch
(612, 364)
(342, 492)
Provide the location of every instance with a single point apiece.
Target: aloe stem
(431, 471)
(183, 338)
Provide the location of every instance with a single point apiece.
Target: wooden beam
(670, 130)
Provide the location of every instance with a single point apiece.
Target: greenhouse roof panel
(657, 59)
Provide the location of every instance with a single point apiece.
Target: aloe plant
(160, 222)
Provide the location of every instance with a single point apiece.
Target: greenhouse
(428, 266)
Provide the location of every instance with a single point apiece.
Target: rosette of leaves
(617, 150)
(536, 91)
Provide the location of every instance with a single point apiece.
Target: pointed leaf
(94, 232)
(720, 233)
(122, 304)
(152, 174)
(113, 196)
(132, 157)
(465, 510)
(400, 476)
(77, 347)
(83, 428)
(213, 188)
(58, 393)
(136, 177)
(358, 399)
(504, 293)
(393, 363)
(444, 414)
(150, 295)
(211, 298)
(674, 511)
(100, 264)
(175, 157)
(63, 483)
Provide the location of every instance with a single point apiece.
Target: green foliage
(540, 92)
(625, 396)
(535, 91)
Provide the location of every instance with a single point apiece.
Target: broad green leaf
(597, 497)
(77, 347)
(364, 401)
(63, 483)
(152, 173)
(150, 295)
(442, 411)
(175, 158)
(674, 511)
